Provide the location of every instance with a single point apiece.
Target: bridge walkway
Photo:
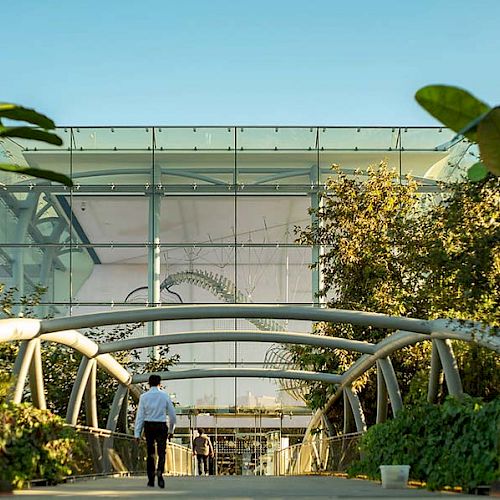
(233, 487)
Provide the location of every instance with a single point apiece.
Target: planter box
(394, 476)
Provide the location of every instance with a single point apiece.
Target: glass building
(163, 215)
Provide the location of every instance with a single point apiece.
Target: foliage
(34, 444)
(20, 113)
(453, 444)
(460, 252)
(465, 114)
(390, 249)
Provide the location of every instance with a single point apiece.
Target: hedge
(455, 444)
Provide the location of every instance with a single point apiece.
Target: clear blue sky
(254, 62)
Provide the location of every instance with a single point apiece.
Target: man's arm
(139, 419)
(210, 447)
(172, 418)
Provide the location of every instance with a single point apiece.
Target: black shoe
(151, 484)
(161, 481)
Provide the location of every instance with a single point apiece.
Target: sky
(253, 62)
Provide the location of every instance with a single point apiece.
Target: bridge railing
(333, 454)
(100, 451)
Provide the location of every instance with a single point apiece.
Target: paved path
(234, 487)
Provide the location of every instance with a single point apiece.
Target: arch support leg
(357, 410)
(21, 368)
(450, 367)
(36, 377)
(381, 396)
(434, 375)
(91, 398)
(75, 400)
(392, 385)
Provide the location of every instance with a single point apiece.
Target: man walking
(202, 448)
(154, 407)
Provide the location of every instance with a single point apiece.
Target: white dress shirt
(154, 406)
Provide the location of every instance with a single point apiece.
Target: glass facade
(163, 215)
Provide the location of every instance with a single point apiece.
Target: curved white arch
(63, 331)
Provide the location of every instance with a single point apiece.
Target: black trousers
(156, 433)
(202, 464)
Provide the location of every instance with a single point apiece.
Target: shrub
(34, 444)
(453, 444)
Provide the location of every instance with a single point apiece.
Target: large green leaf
(454, 107)
(37, 172)
(488, 138)
(15, 112)
(477, 172)
(31, 133)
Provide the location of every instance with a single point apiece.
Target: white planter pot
(394, 476)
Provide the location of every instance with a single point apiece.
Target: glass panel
(203, 393)
(461, 157)
(112, 169)
(112, 138)
(116, 273)
(275, 275)
(254, 353)
(194, 138)
(427, 139)
(425, 166)
(37, 155)
(356, 160)
(29, 145)
(32, 216)
(276, 169)
(350, 138)
(265, 393)
(197, 275)
(195, 171)
(112, 156)
(197, 219)
(270, 219)
(204, 355)
(276, 138)
(108, 219)
(29, 266)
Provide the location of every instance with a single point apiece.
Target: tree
(45, 124)
(388, 248)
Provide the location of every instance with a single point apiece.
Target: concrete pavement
(233, 487)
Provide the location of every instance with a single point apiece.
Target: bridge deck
(234, 487)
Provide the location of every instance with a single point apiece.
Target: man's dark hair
(201, 430)
(154, 380)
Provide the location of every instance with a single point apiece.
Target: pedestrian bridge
(316, 452)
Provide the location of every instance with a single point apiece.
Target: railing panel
(100, 451)
(334, 454)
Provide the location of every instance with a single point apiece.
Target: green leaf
(32, 134)
(15, 112)
(488, 138)
(37, 172)
(454, 107)
(477, 172)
